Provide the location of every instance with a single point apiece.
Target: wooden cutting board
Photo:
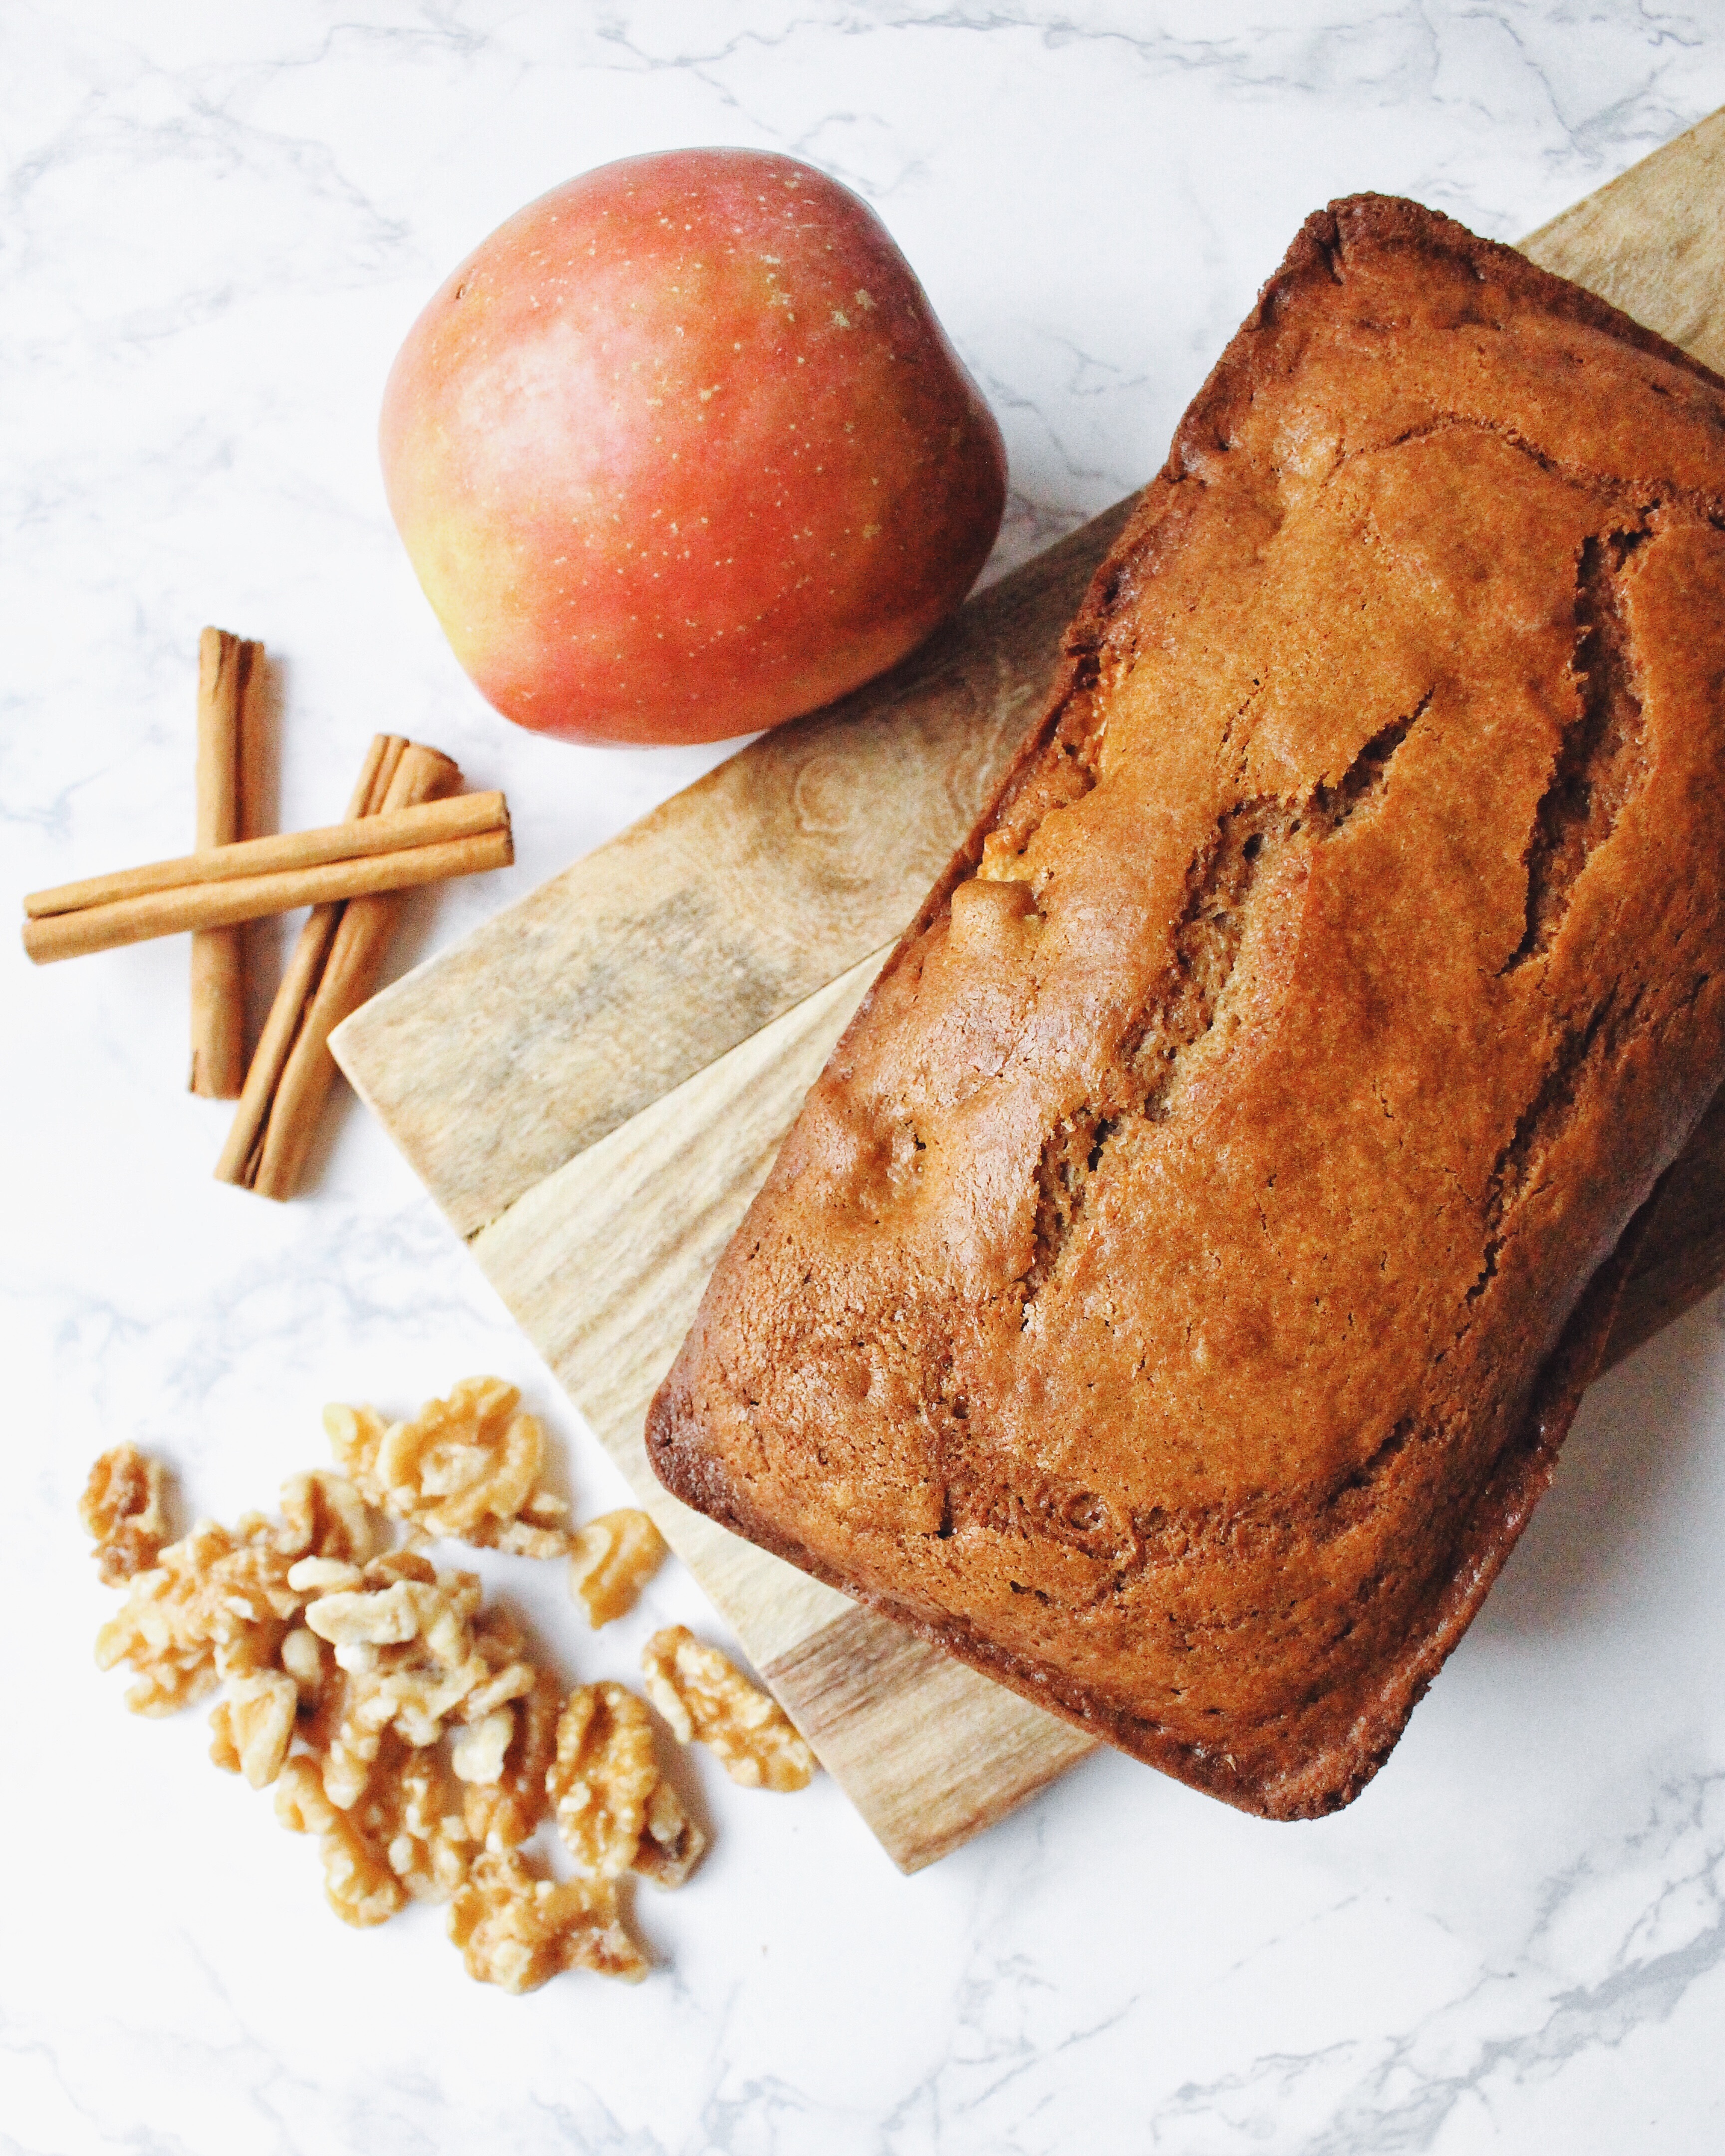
(593, 1084)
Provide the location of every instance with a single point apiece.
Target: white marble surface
(219, 217)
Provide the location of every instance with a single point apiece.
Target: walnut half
(707, 1699)
(124, 1508)
(615, 1811)
(611, 1559)
(516, 1931)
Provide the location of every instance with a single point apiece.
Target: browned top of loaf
(1153, 1300)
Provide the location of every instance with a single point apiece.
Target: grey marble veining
(218, 222)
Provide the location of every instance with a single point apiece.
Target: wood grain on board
(593, 1084)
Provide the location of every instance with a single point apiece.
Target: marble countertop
(219, 220)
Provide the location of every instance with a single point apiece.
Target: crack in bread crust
(1224, 884)
(1603, 756)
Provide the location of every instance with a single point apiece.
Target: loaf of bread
(1176, 1289)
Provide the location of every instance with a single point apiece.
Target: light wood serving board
(593, 1084)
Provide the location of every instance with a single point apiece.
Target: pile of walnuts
(402, 1721)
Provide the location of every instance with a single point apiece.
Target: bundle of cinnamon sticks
(407, 824)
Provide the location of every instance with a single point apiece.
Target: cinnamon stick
(464, 816)
(257, 747)
(299, 982)
(203, 906)
(347, 977)
(224, 664)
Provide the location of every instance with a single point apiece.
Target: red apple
(681, 450)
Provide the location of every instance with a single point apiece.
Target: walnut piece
(323, 1515)
(254, 1725)
(428, 1846)
(211, 1606)
(411, 1817)
(358, 1881)
(406, 1838)
(615, 1811)
(503, 1812)
(307, 1660)
(706, 1699)
(478, 1754)
(604, 1774)
(516, 1931)
(672, 1844)
(611, 1559)
(300, 1804)
(124, 1507)
(355, 1435)
(465, 1468)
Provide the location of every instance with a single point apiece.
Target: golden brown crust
(1176, 1287)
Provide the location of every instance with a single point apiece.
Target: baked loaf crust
(1175, 1289)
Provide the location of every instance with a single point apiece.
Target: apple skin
(681, 451)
